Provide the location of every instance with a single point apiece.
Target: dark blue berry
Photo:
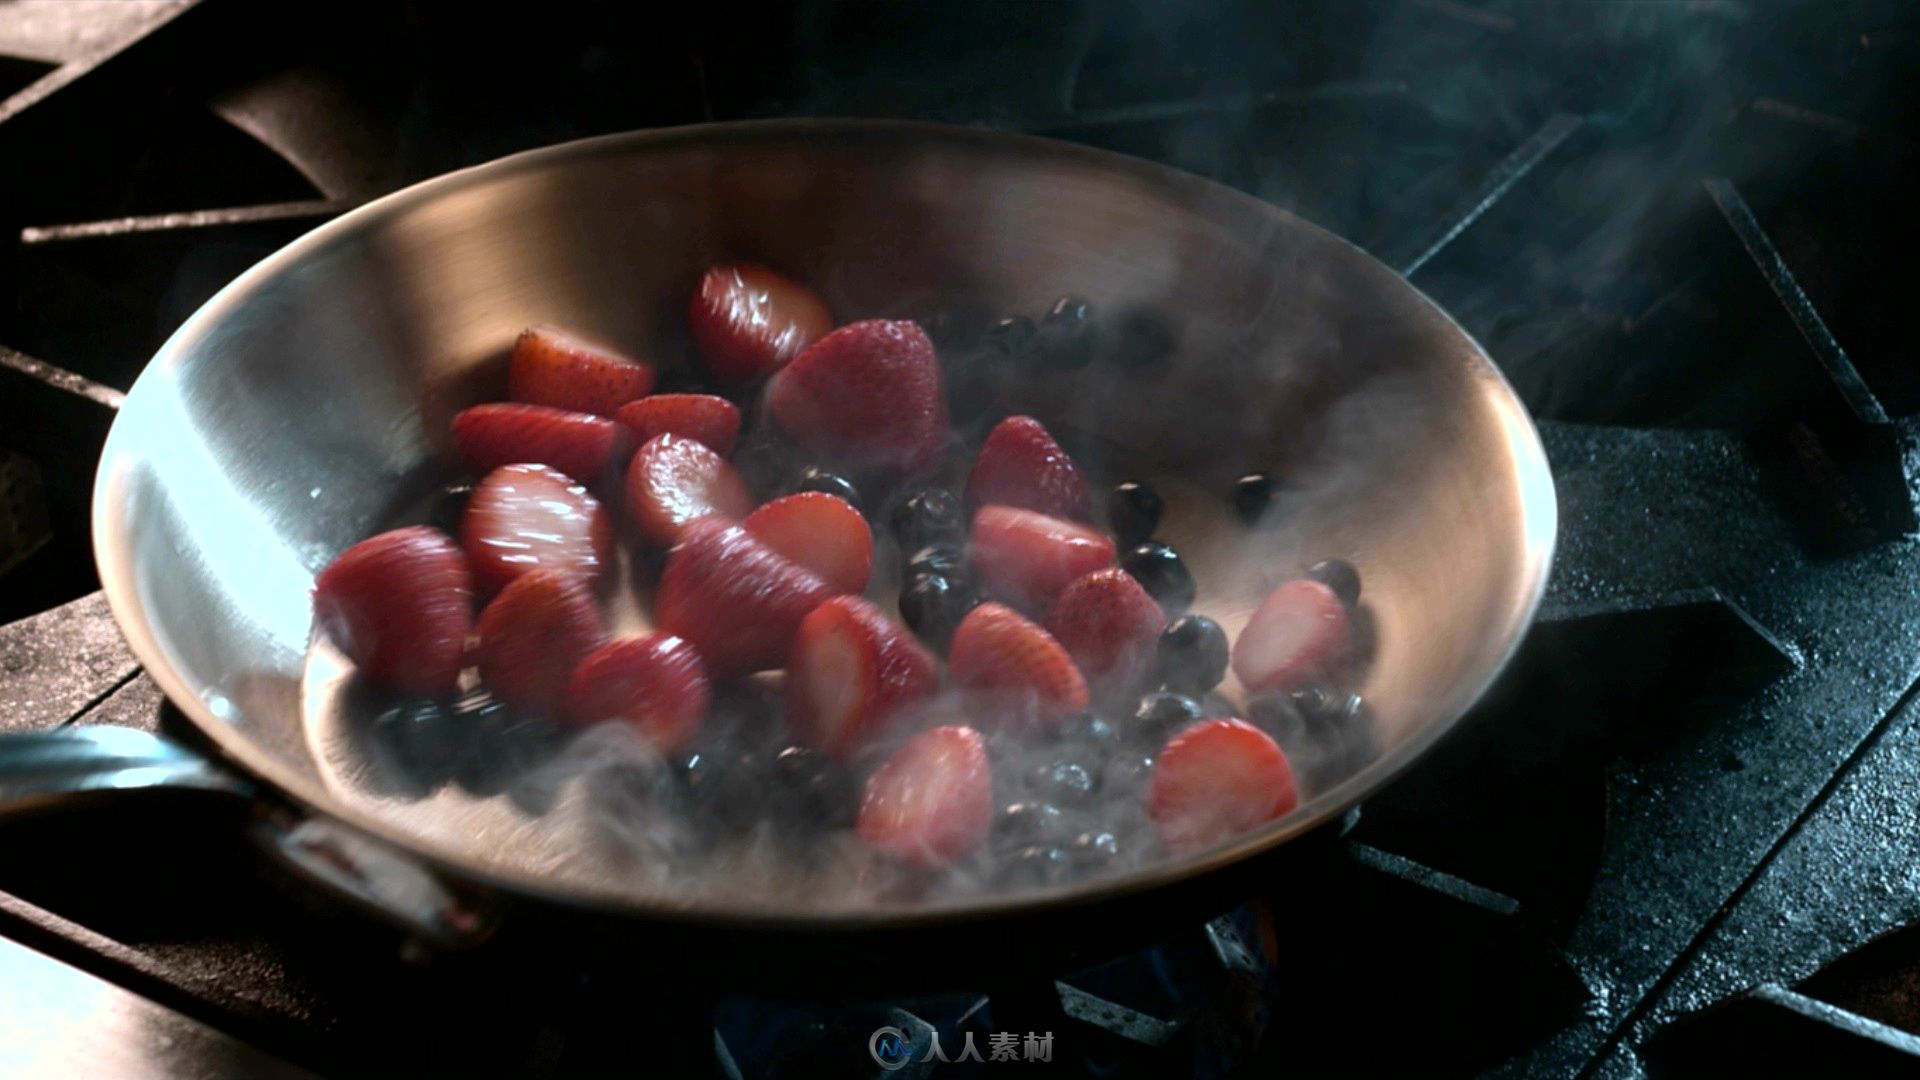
(1133, 512)
(937, 560)
(1160, 570)
(1085, 733)
(448, 506)
(1066, 784)
(1127, 775)
(424, 739)
(499, 746)
(1340, 576)
(828, 482)
(1036, 866)
(1022, 824)
(1094, 848)
(813, 787)
(1192, 655)
(1142, 341)
(932, 606)
(1252, 495)
(1065, 339)
(929, 516)
(723, 790)
(1160, 714)
(1012, 337)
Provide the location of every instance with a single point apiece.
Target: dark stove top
(1678, 838)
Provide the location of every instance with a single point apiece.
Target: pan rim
(1531, 477)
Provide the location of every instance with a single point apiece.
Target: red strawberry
(551, 366)
(673, 480)
(1012, 668)
(579, 445)
(1215, 779)
(736, 599)
(1297, 634)
(533, 635)
(1026, 558)
(529, 517)
(932, 801)
(821, 532)
(749, 320)
(1110, 626)
(399, 605)
(869, 393)
(852, 672)
(654, 682)
(702, 417)
(1020, 465)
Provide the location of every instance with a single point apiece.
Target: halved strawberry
(654, 682)
(1025, 557)
(399, 605)
(522, 518)
(1110, 626)
(673, 480)
(1013, 670)
(533, 635)
(1297, 634)
(868, 393)
(702, 417)
(851, 673)
(577, 444)
(749, 320)
(821, 532)
(736, 599)
(551, 366)
(932, 801)
(1020, 465)
(1214, 779)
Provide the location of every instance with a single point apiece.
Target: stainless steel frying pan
(304, 405)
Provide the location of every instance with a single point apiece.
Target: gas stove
(1676, 838)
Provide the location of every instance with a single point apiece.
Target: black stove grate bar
(1501, 179)
(60, 378)
(1160, 111)
(1771, 1030)
(193, 219)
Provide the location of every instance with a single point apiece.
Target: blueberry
(933, 606)
(1036, 866)
(1133, 511)
(936, 560)
(1192, 655)
(813, 787)
(1308, 715)
(500, 747)
(1160, 570)
(1023, 824)
(1142, 341)
(1012, 337)
(828, 483)
(635, 790)
(1252, 495)
(1340, 576)
(424, 739)
(929, 516)
(723, 790)
(1065, 784)
(448, 505)
(1094, 848)
(1065, 339)
(1162, 713)
(1127, 775)
(1087, 732)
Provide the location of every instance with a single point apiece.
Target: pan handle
(45, 770)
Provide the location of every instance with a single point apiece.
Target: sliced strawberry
(673, 480)
(577, 444)
(522, 518)
(654, 682)
(1297, 634)
(556, 367)
(748, 321)
(701, 417)
(1215, 779)
(1012, 669)
(1020, 465)
(932, 801)
(868, 393)
(1110, 626)
(852, 672)
(399, 605)
(821, 532)
(1025, 557)
(736, 599)
(533, 635)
